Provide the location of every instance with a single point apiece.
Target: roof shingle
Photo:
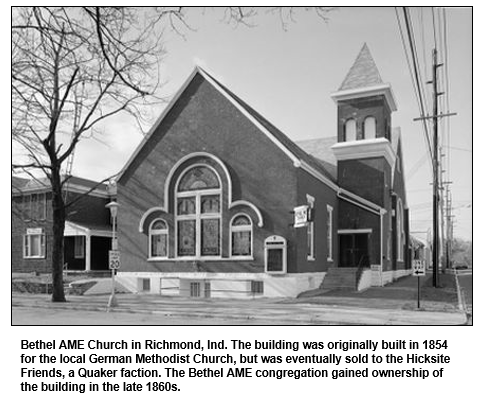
(364, 72)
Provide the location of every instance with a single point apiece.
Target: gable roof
(296, 154)
(320, 169)
(284, 140)
(363, 73)
(320, 148)
(42, 184)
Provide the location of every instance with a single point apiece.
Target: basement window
(257, 287)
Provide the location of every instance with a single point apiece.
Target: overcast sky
(288, 76)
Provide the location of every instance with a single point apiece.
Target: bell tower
(364, 152)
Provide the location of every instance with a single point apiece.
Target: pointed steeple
(363, 73)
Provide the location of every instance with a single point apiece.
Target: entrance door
(353, 250)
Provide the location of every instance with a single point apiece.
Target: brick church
(218, 202)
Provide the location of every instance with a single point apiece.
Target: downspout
(87, 252)
(382, 213)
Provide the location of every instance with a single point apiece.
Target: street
(41, 316)
(392, 305)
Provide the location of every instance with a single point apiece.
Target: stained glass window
(159, 239)
(210, 204)
(186, 205)
(210, 237)
(199, 177)
(198, 213)
(241, 237)
(186, 238)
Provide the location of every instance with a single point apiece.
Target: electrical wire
(415, 79)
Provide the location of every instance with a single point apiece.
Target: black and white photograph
(250, 164)
(241, 201)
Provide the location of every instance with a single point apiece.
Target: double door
(354, 250)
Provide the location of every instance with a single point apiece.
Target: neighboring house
(87, 235)
(420, 250)
(208, 200)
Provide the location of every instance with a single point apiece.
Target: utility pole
(435, 257)
(436, 162)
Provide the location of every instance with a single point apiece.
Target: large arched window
(198, 212)
(370, 128)
(158, 238)
(350, 130)
(241, 236)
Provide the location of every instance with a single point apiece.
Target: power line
(415, 75)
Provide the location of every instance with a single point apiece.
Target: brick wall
(203, 120)
(324, 196)
(359, 109)
(368, 178)
(89, 209)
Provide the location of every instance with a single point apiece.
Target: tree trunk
(59, 221)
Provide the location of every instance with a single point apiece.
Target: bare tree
(73, 67)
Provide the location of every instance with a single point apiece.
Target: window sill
(157, 258)
(329, 260)
(276, 273)
(250, 258)
(311, 259)
(196, 258)
(34, 257)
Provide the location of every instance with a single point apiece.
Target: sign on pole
(114, 260)
(418, 268)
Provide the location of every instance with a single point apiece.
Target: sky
(288, 75)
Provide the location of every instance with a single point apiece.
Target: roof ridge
(287, 142)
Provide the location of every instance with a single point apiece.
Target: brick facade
(88, 210)
(203, 120)
(361, 108)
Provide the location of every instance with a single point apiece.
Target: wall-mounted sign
(301, 214)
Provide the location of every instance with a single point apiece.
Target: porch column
(88, 250)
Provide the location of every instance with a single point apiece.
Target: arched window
(370, 128)
(241, 236)
(198, 212)
(350, 130)
(158, 236)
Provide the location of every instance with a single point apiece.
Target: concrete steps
(340, 277)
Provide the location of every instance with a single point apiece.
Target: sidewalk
(391, 305)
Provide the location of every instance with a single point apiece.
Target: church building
(218, 202)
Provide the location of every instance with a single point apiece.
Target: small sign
(114, 260)
(418, 268)
(301, 216)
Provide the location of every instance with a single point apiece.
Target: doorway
(353, 250)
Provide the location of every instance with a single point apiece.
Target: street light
(113, 208)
